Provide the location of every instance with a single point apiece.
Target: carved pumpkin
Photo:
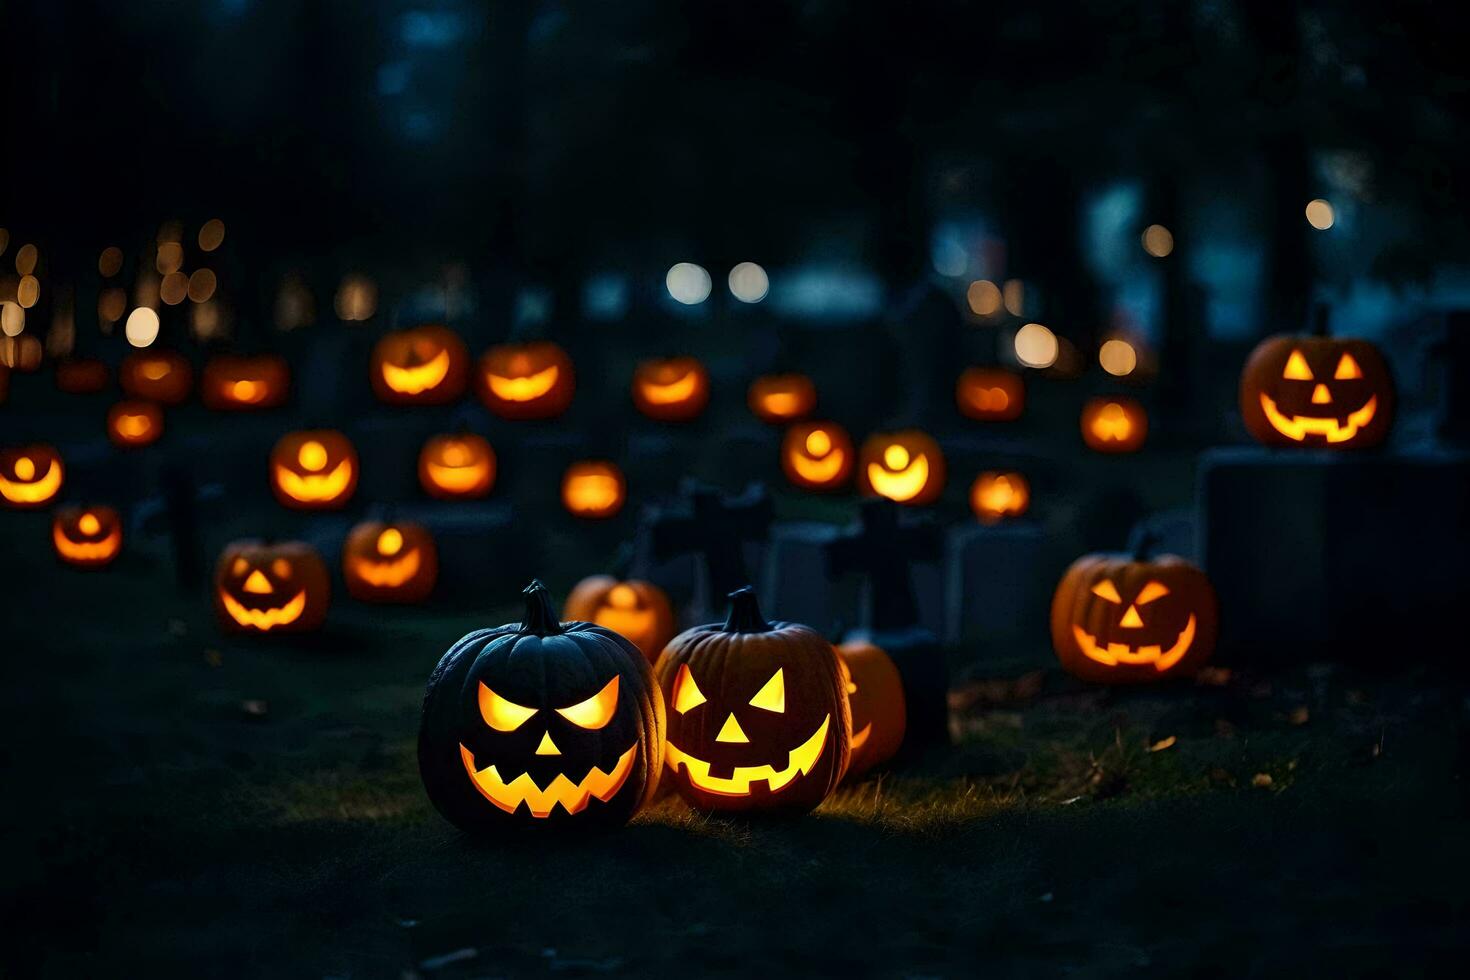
(134, 423)
(875, 695)
(30, 476)
(906, 466)
(265, 588)
(817, 455)
(758, 713)
(425, 365)
(541, 723)
(1114, 424)
(990, 394)
(671, 389)
(996, 496)
(526, 381)
(1120, 619)
(87, 537)
(161, 376)
(635, 609)
(1317, 391)
(593, 488)
(457, 467)
(235, 383)
(390, 562)
(82, 375)
(782, 398)
(313, 469)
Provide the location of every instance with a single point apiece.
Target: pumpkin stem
(1144, 543)
(745, 613)
(540, 618)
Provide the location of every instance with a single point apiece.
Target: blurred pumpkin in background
(593, 488)
(161, 376)
(1317, 391)
(1114, 424)
(996, 496)
(781, 398)
(817, 455)
(905, 466)
(875, 695)
(134, 423)
(390, 562)
(263, 588)
(82, 375)
(87, 537)
(30, 476)
(457, 466)
(313, 469)
(671, 389)
(990, 394)
(235, 382)
(526, 380)
(424, 365)
(632, 608)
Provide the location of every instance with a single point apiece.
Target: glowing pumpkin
(526, 381)
(875, 695)
(265, 588)
(134, 423)
(82, 375)
(390, 562)
(671, 389)
(990, 394)
(782, 398)
(996, 496)
(1114, 424)
(636, 609)
(457, 466)
(236, 383)
(313, 469)
(758, 713)
(1317, 391)
(593, 488)
(30, 476)
(906, 467)
(817, 455)
(541, 723)
(87, 537)
(426, 365)
(161, 376)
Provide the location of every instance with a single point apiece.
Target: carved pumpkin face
(758, 715)
(1114, 424)
(30, 476)
(457, 467)
(782, 398)
(996, 496)
(635, 609)
(526, 381)
(990, 394)
(541, 723)
(82, 376)
(1317, 391)
(161, 376)
(264, 588)
(906, 466)
(233, 383)
(875, 694)
(313, 469)
(426, 365)
(817, 455)
(394, 562)
(593, 488)
(1118, 619)
(88, 537)
(671, 389)
(134, 423)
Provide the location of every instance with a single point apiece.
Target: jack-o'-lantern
(30, 476)
(425, 365)
(235, 383)
(593, 488)
(1119, 618)
(996, 496)
(906, 467)
(541, 723)
(782, 398)
(87, 537)
(758, 713)
(270, 588)
(671, 389)
(82, 375)
(1114, 424)
(817, 455)
(134, 423)
(875, 695)
(1317, 391)
(633, 608)
(161, 376)
(990, 394)
(390, 562)
(457, 466)
(526, 381)
(313, 469)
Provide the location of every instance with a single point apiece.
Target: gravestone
(716, 528)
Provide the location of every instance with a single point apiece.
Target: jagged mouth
(1298, 427)
(1114, 654)
(419, 378)
(800, 761)
(389, 574)
(561, 791)
(265, 619)
(98, 550)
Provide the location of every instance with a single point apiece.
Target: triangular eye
(1347, 369)
(772, 696)
(1151, 591)
(596, 711)
(1107, 590)
(500, 714)
(1296, 368)
(687, 694)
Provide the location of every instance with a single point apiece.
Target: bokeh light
(12, 319)
(357, 298)
(206, 321)
(984, 297)
(201, 285)
(26, 258)
(1015, 296)
(112, 304)
(295, 307)
(174, 288)
(1117, 357)
(142, 327)
(748, 282)
(1036, 346)
(1158, 241)
(28, 291)
(170, 258)
(109, 263)
(688, 283)
(211, 235)
(1320, 214)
